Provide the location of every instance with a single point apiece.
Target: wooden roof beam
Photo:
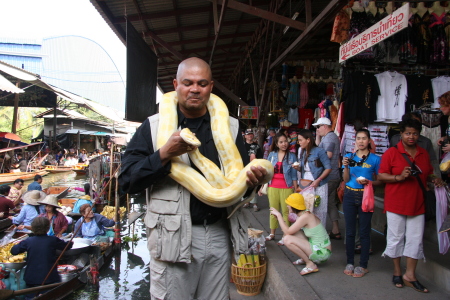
(203, 26)
(209, 38)
(195, 50)
(329, 11)
(217, 30)
(261, 13)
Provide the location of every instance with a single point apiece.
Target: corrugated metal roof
(187, 26)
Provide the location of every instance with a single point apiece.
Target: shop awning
(12, 138)
(8, 86)
(88, 132)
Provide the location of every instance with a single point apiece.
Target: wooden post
(16, 110)
(111, 171)
(117, 240)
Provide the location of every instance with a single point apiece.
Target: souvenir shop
(405, 72)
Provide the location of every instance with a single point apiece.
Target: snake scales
(214, 187)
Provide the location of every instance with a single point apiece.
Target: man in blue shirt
(36, 185)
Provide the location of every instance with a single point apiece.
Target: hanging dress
(421, 27)
(439, 44)
(293, 95)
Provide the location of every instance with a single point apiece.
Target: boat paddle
(7, 294)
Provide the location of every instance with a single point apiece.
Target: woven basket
(248, 280)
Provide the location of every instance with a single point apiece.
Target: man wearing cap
(254, 151)
(330, 142)
(29, 211)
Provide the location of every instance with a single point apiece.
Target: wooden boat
(59, 191)
(86, 273)
(80, 169)
(57, 169)
(10, 177)
(67, 201)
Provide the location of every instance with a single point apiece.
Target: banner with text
(383, 29)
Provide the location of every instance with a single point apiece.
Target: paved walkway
(283, 280)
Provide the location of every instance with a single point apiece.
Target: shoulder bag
(428, 196)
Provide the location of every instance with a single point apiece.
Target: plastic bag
(7, 238)
(309, 196)
(445, 163)
(368, 202)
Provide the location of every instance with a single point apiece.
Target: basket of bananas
(109, 211)
(11, 261)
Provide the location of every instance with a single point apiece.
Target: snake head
(189, 137)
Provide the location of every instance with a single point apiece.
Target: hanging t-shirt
(293, 115)
(420, 92)
(440, 85)
(393, 93)
(360, 93)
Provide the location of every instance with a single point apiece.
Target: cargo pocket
(165, 200)
(171, 238)
(158, 285)
(153, 237)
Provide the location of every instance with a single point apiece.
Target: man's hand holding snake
(255, 176)
(175, 146)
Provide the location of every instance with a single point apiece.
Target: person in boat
(36, 185)
(83, 157)
(92, 224)
(30, 211)
(15, 193)
(58, 222)
(5, 204)
(21, 163)
(41, 255)
(86, 199)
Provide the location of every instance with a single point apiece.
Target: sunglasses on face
(318, 126)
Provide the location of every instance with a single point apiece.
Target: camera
(415, 171)
(353, 163)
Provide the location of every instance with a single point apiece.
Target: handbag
(428, 196)
(368, 202)
(340, 191)
(264, 188)
(304, 183)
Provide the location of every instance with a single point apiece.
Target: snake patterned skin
(214, 187)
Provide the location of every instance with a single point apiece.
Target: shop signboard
(248, 112)
(383, 29)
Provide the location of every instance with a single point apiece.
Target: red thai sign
(383, 29)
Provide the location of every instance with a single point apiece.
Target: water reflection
(127, 276)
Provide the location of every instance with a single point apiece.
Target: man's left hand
(255, 176)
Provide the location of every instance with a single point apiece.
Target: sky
(47, 18)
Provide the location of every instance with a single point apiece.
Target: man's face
(193, 86)
(321, 129)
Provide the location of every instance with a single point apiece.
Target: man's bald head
(193, 62)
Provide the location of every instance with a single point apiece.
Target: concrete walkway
(284, 281)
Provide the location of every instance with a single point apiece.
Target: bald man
(188, 240)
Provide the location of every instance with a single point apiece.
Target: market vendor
(94, 224)
(58, 222)
(30, 211)
(5, 204)
(15, 193)
(41, 255)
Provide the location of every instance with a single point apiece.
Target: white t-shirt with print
(391, 102)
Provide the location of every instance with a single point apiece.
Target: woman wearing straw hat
(29, 211)
(313, 244)
(58, 222)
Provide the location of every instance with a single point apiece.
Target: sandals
(335, 236)
(280, 242)
(255, 208)
(349, 270)
(397, 281)
(307, 270)
(417, 286)
(246, 205)
(359, 272)
(270, 237)
(299, 262)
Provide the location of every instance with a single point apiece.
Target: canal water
(127, 276)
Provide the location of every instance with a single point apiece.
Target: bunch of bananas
(5, 255)
(109, 211)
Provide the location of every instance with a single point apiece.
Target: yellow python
(214, 187)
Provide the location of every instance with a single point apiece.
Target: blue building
(72, 63)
